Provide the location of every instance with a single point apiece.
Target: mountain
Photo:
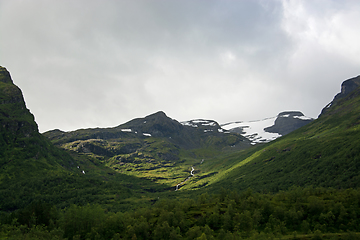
(286, 122)
(268, 129)
(323, 153)
(24, 153)
(21, 142)
(186, 135)
(151, 146)
(33, 169)
(77, 190)
(347, 87)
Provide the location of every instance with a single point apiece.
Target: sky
(96, 63)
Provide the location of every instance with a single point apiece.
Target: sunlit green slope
(323, 153)
(155, 147)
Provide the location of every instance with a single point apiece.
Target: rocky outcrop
(268, 129)
(156, 124)
(20, 139)
(286, 122)
(347, 87)
(16, 122)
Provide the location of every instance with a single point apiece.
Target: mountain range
(155, 157)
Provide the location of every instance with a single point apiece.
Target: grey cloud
(101, 63)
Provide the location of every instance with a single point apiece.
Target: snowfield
(254, 130)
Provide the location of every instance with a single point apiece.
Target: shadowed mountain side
(135, 134)
(21, 142)
(286, 122)
(33, 169)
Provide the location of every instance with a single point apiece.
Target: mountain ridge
(322, 153)
(156, 143)
(347, 87)
(303, 185)
(268, 129)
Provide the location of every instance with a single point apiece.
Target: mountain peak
(289, 121)
(291, 114)
(347, 87)
(5, 75)
(19, 135)
(268, 129)
(157, 115)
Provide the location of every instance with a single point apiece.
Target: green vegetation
(300, 213)
(165, 157)
(323, 153)
(115, 184)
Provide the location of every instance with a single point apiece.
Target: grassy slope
(166, 158)
(324, 153)
(32, 168)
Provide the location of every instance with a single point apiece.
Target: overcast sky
(92, 63)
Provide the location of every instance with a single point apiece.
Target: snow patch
(303, 117)
(254, 130)
(126, 130)
(188, 123)
(197, 122)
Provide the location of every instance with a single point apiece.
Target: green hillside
(155, 147)
(32, 168)
(119, 183)
(323, 153)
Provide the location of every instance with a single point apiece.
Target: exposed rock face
(346, 88)
(157, 125)
(16, 122)
(20, 140)
(156, 135)
(287, 122)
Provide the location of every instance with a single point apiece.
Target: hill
(155, 147)
(347, 87)
(77, 190)
(323, 153)
(32, 168)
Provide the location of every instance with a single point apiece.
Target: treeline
(300, 213)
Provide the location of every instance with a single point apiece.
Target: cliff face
(286, 122)
(346, 88)
(17, 124)
(21, 144)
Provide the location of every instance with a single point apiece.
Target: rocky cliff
(286, 122)
(347, 87)
(17, 125)
(20, 141)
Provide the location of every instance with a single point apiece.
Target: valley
(284, 177)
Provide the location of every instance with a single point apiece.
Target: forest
(299, 213)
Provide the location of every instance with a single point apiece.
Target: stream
(183, 182)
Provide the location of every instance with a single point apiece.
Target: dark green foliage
(307, 213)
